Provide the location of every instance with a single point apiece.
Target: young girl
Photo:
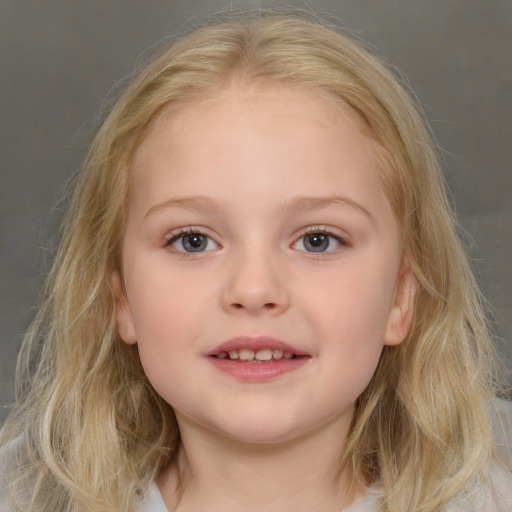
(260, 301)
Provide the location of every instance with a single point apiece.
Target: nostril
(254, 302)
(269, 306)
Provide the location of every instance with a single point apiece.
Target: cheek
(355, 303)
(165, 330)
(167, 313)
(350, 314)
(164, 301)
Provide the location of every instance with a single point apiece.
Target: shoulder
(501, 420)
(495, 495)
(9, 454)
(501, 476)
(152, 501)
(370, 502)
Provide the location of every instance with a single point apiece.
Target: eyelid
(178, 233)
(324, 230)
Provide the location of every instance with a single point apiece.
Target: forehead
(276, 109)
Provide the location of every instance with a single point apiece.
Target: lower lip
(258, 372)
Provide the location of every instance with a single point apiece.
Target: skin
(262, 169)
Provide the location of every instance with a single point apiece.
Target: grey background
(60, 59)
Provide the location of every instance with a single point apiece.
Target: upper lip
(255, 343)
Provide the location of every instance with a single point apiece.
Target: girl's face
(261, 264)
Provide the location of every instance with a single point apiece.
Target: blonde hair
(96, 433)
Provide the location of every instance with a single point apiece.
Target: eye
(319, 241)
(191, 241)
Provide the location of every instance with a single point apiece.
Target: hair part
(96, 432)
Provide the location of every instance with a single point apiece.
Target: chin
(262, 436)
(269, 429)
(251, 430)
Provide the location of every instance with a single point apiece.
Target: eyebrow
(295, 205)
(304, 204)
(187, 203)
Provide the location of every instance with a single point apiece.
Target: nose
(255, 285)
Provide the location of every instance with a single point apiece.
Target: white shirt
(153, 502)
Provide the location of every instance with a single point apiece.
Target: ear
(123, 312)
(402, 311)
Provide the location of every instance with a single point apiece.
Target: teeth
(278, 354)
(246, 354)
(264, 354)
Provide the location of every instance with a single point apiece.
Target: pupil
(317, 242)
(194, 243)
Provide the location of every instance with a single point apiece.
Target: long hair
(95, 431)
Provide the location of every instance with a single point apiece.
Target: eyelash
(187, 231)
(314, 230)
(321, 230)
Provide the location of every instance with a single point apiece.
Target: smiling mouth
(257, 358)
(265, 355)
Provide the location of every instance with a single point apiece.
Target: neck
(220, 474)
